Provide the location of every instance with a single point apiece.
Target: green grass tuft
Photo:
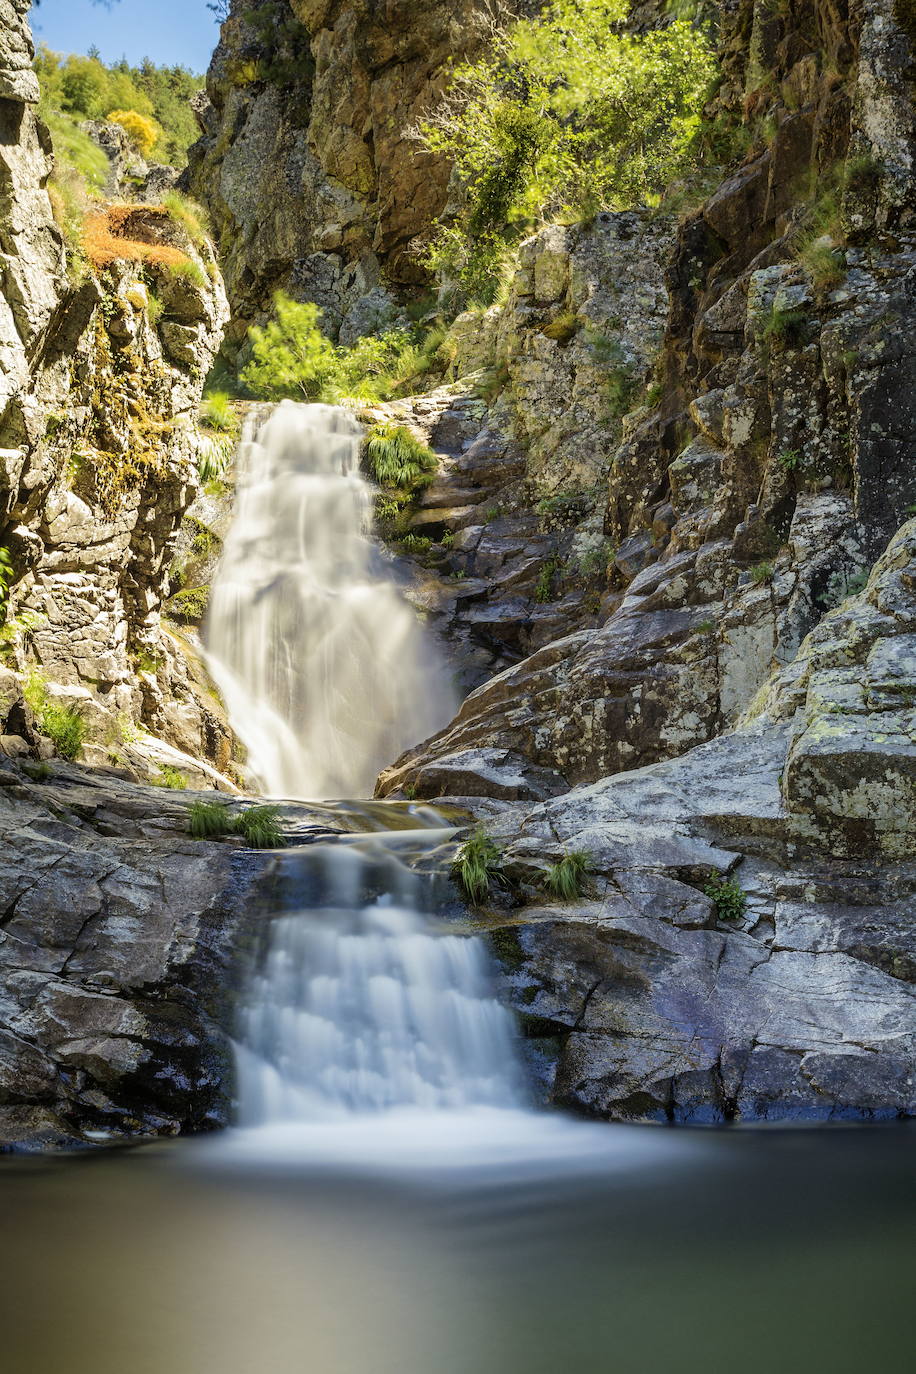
(566, 878)
(397, 459)
(477, 862)
(208, 820)
(258, 826)
(170, 777)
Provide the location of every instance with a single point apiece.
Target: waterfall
(323, 666)
(360, 1005)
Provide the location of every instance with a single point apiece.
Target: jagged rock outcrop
(306, 161)
(778, 457)
(101, 372)
(644, 1000)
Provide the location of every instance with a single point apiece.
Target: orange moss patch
(132, 233)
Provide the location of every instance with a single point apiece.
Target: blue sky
(168, 31)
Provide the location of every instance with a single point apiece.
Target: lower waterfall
(360, 1005)
(323, 666)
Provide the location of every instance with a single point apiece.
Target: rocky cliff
(103, 352)
(306, 162)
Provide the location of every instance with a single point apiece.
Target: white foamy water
(324, 668)
(364, 1007)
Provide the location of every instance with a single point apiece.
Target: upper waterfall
(323, 665)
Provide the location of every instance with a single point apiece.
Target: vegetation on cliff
(567, 114)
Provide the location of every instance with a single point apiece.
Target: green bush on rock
(567, 114)
(397, 459)
(729, 898)
(566, 878)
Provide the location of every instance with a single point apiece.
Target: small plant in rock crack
(170, 777)
(543, 592)
(566, 878)
(790, 460)
(477, 863)
(728, 897)
(762, 573)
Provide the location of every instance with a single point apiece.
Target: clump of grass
(785, 325)
(186, 269)
(476, 864)
(563, 328)
(190, 216)
(170, 777)
(208, 821)
(729, 898)
(257, 825)
(762, 573)
(65, 728)
(416, 544)
(38, 772)
(219, 413)
(566, 878)
(397, 459)
(543, 591)
(822, 262)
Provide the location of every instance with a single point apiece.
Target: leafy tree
(142, 131)
(567, 114)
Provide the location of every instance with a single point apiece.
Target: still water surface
(478, 1243)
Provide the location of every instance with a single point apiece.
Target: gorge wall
(102, 363)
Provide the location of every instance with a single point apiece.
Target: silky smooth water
(325, 671)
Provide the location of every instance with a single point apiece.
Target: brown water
(469, 1251)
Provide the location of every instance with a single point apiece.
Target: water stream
(322, 664)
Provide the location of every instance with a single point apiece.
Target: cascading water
(323, 666)
(360, 1006)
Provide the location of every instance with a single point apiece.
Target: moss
(189, 606)
(507, 946)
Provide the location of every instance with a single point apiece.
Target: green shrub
(823, 262)
(786, 325)
(6, 578)
(543, 591)
(477, 863)
(170, 777)
(762, 573)
(64, 727)
(566, 113)
(790, 459)
(416, 544)
(566, 878)
(208, 820)
(397, 459)
(729, 898)
(292, 358)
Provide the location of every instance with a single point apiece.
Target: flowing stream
(323, 666)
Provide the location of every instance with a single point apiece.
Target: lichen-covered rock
(99, 397)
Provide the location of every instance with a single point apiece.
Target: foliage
(208, 820)
(142, 131)
(7, 575)
(170, 777)
(189, 605)
(64, 727)
(543, 591)
(790, 459)
(567, 113)
(38, 772)
(291, 357)
(398, 459)
(822, 262)
(416, 544)
(565, 878)
(728, 896)
(77, 88)
(189, 215)
(477, 862)
(785, 324)
(762, 573)
(219, 413)
(257, 825)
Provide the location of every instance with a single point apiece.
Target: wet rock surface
(122, 945)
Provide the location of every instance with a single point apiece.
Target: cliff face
(101, 372)
(306, 164)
